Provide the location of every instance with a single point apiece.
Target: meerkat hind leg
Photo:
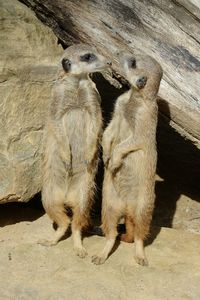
(77, 241)
(62, 221)
(101, 258)
(142, 221)
(79, 221)
(110, 223)
(140, 255)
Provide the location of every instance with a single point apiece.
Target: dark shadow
(62, 43)
(15, 212)
(116, 245)
(179, 169)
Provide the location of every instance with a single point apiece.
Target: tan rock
(28, 54)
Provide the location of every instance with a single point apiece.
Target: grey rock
(28, 57)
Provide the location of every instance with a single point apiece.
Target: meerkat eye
(141, 82)
(66, 64)
(88, 57)
(132, 63)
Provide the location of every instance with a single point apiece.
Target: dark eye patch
(141, 82)
(88, 57)
(66, 64)
(132, 63)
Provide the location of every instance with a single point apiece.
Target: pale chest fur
(71, 94)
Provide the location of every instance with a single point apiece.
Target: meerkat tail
(59, 216)
(128, 237)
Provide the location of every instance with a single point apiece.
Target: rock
(28, 57)
(31, 271)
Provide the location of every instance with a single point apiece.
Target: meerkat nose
(109, 63)
(141, 82)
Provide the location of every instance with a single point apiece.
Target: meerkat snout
(141, 82)
(109, 63)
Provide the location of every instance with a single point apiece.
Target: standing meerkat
(72, 136)
(130, 156)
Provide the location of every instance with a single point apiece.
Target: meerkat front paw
(81, 252)
(98, 260)
(114, 163)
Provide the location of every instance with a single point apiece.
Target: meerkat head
(83, 59)
(142, 71)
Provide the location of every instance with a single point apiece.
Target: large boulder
(28, 56)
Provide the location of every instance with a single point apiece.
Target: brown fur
(72, 135)
(129, 152)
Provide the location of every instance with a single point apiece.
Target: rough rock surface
(31, 271)
(28, 52)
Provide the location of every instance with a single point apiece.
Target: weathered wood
(168, 30)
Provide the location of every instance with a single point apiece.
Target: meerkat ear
(66, 64)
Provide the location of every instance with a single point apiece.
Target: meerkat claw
(81, 252)
(98, 260)
(142, 261)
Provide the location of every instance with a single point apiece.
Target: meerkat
(130, 156)
(72, 136)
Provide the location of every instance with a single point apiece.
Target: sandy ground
(31, 271)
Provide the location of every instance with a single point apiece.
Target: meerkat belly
(127, 178)
(76, 124)
(124, 132)
(137, 170)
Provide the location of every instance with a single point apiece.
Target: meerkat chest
(88, 93)
(81, 97)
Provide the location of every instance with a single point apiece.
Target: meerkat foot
(126, 238)
(47, 243)
(77, 243)
(98, 260)
(80, 251)
(101, 258)
(141, 260)
(140, 256)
